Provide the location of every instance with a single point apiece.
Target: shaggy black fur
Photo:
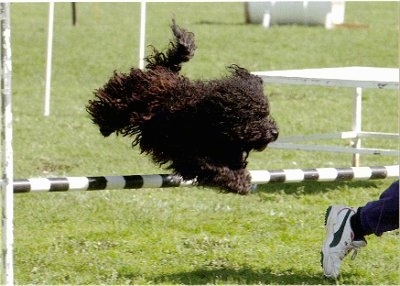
(201, 130)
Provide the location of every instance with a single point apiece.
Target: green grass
(190, 235)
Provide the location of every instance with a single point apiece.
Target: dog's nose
(106, 131)
(275, 133)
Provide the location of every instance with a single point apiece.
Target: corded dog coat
(201, 130)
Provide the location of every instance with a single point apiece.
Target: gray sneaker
(339, 239)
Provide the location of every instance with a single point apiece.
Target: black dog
(202, 130)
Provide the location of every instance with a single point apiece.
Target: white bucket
(327, 13)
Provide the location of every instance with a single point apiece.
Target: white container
(327, 13)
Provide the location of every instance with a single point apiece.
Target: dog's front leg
(228, 180)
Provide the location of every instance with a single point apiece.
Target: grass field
(190, 235)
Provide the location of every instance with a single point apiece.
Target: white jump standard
(63, 184)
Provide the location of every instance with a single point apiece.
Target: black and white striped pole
(259, 177)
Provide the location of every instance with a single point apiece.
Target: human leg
(382, 215)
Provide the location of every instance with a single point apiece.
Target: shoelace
(355, 252)
(356, 248)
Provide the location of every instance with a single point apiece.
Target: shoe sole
(327, 236)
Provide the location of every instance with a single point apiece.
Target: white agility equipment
(268, 13)
(355, 77)
(7, 202)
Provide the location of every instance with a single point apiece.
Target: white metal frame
(49, 56)
(7, 195)
(355, 77)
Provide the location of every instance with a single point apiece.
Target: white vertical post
(356, 126)
(142, 40)
(49, 59)
(7, 196)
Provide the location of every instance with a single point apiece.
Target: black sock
(355, 223)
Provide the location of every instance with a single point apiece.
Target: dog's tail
(181, 49)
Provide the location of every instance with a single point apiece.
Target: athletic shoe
(339, 240)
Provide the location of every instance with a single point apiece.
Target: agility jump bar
(63, 184)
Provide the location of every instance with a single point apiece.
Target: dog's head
(244, 109)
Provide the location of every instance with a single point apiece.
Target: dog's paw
(253, 188)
